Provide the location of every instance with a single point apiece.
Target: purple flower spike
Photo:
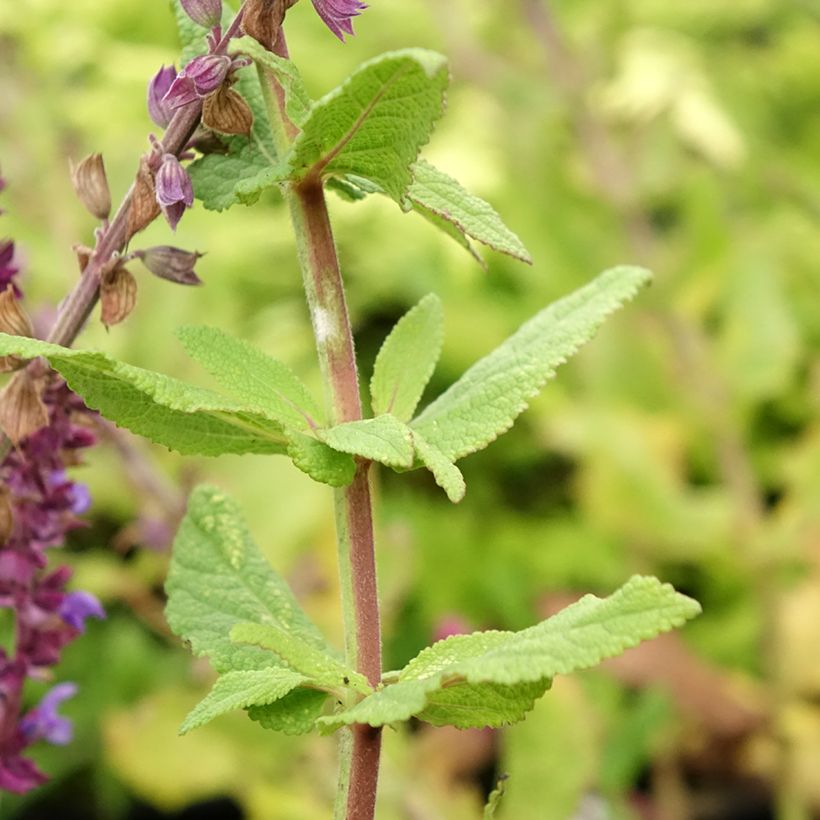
(43, 722)
(174, 190)
(338, 14)
(161, 82)
(79, 605)
(206, 13)
(202, 76)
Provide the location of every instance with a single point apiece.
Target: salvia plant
(237, 121)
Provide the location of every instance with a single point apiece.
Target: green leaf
(440, 198)
(239, 690)
(255, 378)
(510, 670)
(384, 439)
(446, 474)
(180, 416)
(488, 398)
(376, 122)
(250, 164)
(297, 100)
(218, 578)
(295, 714)
(320, 462)
(322, 669)
(407, 359)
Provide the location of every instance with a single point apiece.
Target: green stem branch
(324, 288)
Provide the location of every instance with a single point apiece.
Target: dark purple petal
(207, 72)
(19, 775)
(338, 14)
(182, 92)
(79, 605)
(206, 13)
(160, 111)
(173, 189)
(43, 722)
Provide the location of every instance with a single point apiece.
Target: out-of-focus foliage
(684, 441)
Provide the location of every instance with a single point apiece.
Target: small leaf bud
(118, 295)
(22, 411)
(227, 112)
(205, 13)
(174, 264)
(91, 185)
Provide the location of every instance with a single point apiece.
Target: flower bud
(144, 206)
(173, 264)
(227, 112)
(338, 14)
(202, 76)
(161, 82)
(91, 185)
(173, 189)
(14, 321)
(118, 295)
(22, 411)
(262, 20)
(206, 13)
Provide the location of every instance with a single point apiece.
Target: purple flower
(338, 14)
(206, 13)
(173, 189)
(79, 605)
(202, 76)
(159, 110)
(43, 722)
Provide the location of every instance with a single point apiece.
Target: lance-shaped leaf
(321, 668)
(218, 578)
(253, 377)
(294, 714)
(488, 398)
(446, 474)
(383, 439)
(376, 122)
(448, 682)
(297, 100)
(442, 200)
(321, 462)
(181, 416)
(241, 689)
(407, 359)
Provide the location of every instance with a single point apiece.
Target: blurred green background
(684, 441)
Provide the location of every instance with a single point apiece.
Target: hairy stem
(359, 759)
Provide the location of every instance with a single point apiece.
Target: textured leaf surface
(258, 380)
(181, 416)
(435, 193)
(218, 578)
(297, 101)
(488, 398)
(238, 690)
(322, 668)
(295, 714)
(511, 669)
(376, 122)
(250, 164)
(446, 474)
(384, 439)
(321, 462)
(407, 359)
